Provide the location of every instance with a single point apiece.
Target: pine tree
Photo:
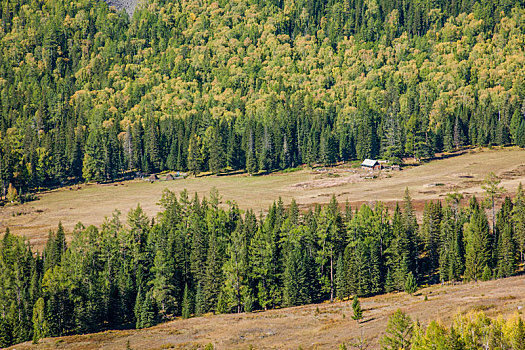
(486, 275)
(361, 280)
(375, 267)
(194, 155)
(477, 248)
(93, 164)
(450, 248)
(251, 158)
(295, 279)
(55, 248)
(410, 283)
(356, 307)
(200, 307)
(341, 285)
(506, 252)
(198, 243)
(261, 259)
(186, 302)
(213, 277)
(139, 301)
(286, 157)
(147, 312)
(112, 153)
(267, 149)
(430, 234)
(163, 291)
(137, 156)
(217, 157)
(402, 256)
(410, 233)
(518, 221)
(236, 268)
(151, 146)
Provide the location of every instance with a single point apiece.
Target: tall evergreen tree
(213, 277)
(477, 247)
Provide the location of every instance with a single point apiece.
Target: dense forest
(89, 94)
(199, 256)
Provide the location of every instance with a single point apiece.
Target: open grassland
(322, 326)
(91, 203)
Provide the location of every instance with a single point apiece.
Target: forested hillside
(87, 93)
(197, 257)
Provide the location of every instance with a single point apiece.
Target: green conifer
(356, 307)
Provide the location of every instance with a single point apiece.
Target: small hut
(371, 164)
(153, 177)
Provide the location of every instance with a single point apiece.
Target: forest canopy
(88, 93)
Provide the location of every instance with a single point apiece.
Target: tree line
(199, 256)
(91, 94)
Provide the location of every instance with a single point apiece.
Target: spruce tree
(356, 307)
(410, 284)
(213, 277)
(518, 221)
(506, 252)
(164, 291)
(55, 248)
(194, 155)
(139, 301)
(236, 268)
(186, 302)
(93, 164)
(251, 158)
(216, 149)
(200, 306)
(450, 250)
(295, 279)
(341, 284)
(147, 312)
(477, 248)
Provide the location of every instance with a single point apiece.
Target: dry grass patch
(91, 203)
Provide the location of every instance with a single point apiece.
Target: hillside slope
(320, 326)
(88, 94)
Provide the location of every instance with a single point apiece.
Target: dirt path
(322, 326)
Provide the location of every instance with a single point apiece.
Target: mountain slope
(305, 326)
(89, 94)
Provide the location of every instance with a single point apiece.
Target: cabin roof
(370, 162)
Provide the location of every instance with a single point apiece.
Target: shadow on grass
(367, 320)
